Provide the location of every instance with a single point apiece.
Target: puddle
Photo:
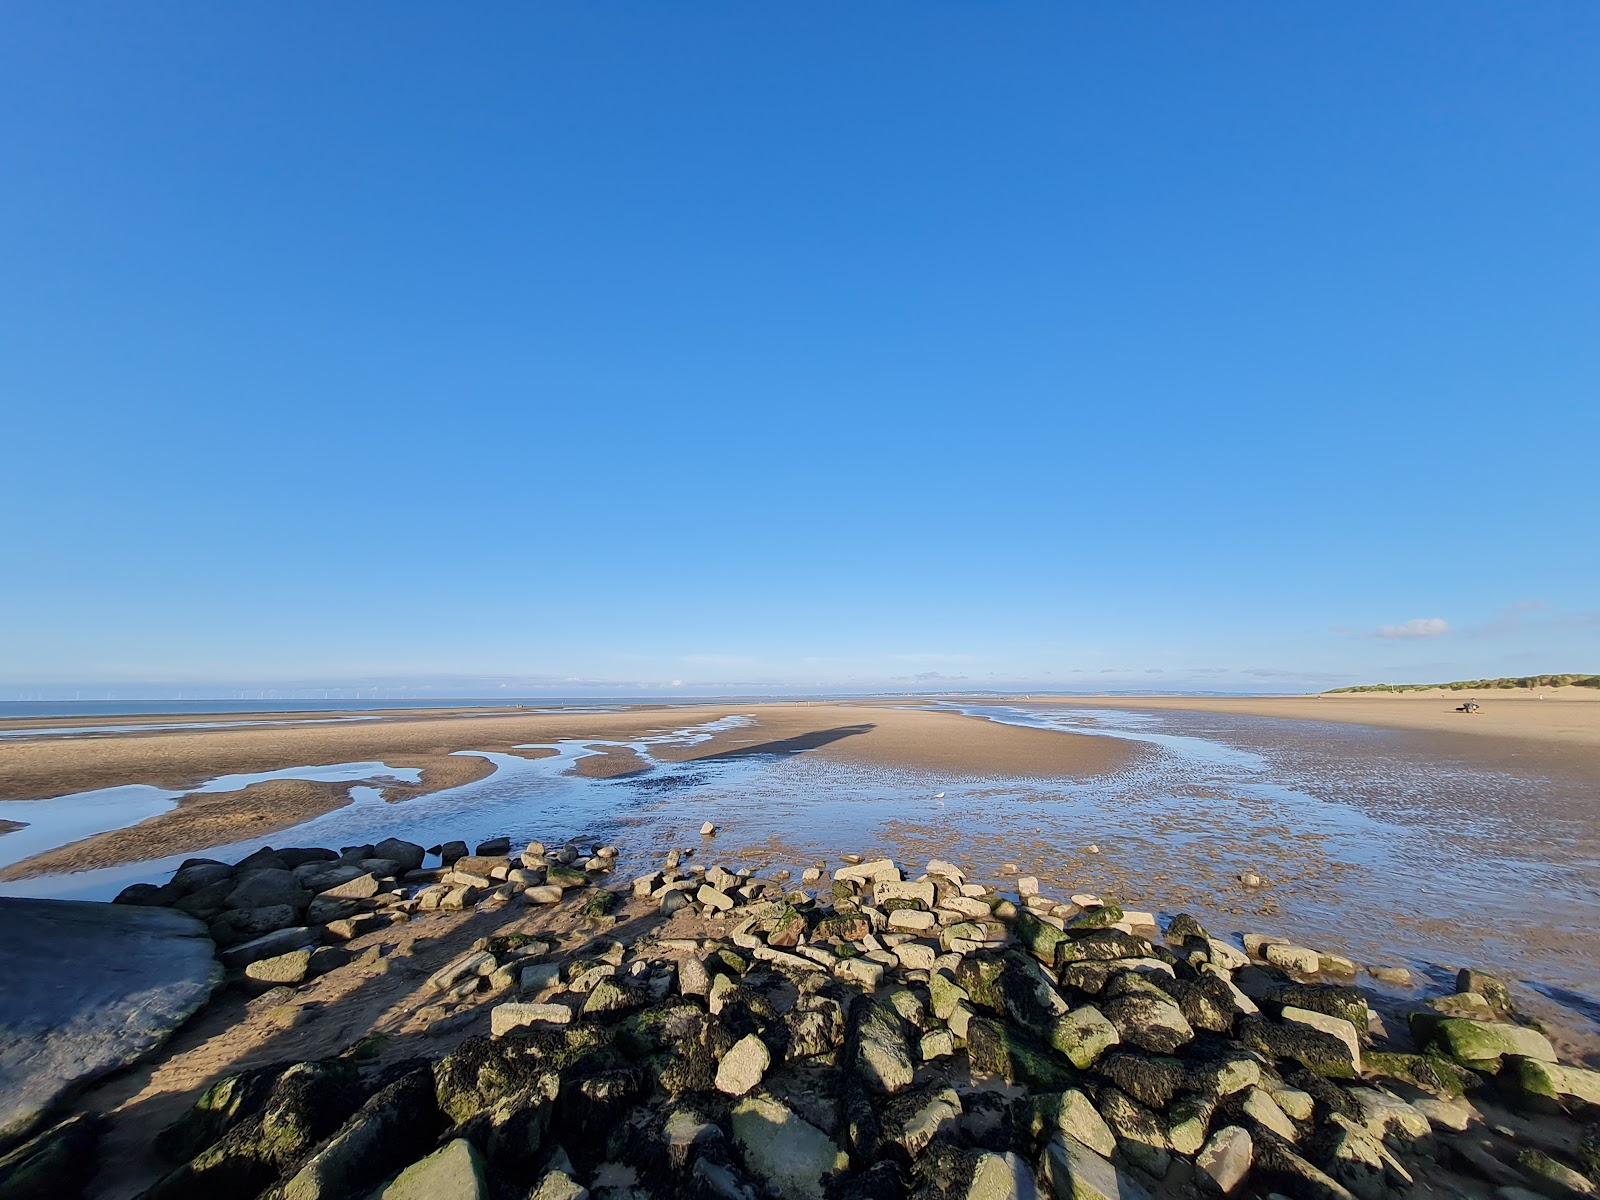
(47, 824)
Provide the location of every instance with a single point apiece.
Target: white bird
(938, 795)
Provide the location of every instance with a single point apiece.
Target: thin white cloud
(1417, 627)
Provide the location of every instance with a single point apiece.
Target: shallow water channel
(1370, 843)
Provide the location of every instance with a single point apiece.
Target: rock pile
(870, 1035)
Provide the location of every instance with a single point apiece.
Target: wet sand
(1568, 717)
(870, 735)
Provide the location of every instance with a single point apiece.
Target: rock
(382, 1136)
(1260, 1107)
(453, 1173)
(1473, 1042)
(1333, 1026)
(1151, 1023)
(565, 877)
(1393, 976)
(493, 847)
(289, 968)
(1001, 1177)
(870, 872)
(790, 1153)
(544, 894)
(1319, 1052)
(1072, 1113)
(451, 851)
(558, 1185)
(307, 1102)
(362, 887)
(1006, 1052)
(708, 829)
(469, 965)
(59, 1162)
(1541, 1084)
(245, 924)
(269, 945)
(714, 899)
(265, 888)
(503, 1018)
(1297, 960)
(89, 988)
(1083, 1035)
(194, 876)
(348, 928)
(1554, 1179)
(1074, 1172)
(1225, 1161)
(863, 971)
(883, 1051)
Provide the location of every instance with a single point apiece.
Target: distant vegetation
(1482, 685)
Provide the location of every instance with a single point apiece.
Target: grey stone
(268, 945)
(244, 924)
(742, 1066)
(1001, 1177)
(453, 1173)
(1075, 1172)
(292, 967)
(791, 1154)
(267, 887)
(407, 856)
(884, 1050)
(88, 989)
(1225, 1160)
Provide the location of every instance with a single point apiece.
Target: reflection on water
(1370, 847)
(64, 819)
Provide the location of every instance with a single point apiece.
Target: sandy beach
(869, 735)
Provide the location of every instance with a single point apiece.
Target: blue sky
(560, 348)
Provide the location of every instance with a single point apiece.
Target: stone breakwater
(703, 1032)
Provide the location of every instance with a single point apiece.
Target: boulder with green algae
(1430, 1072)
(793, 1155)
(1082, 1035)
(1552, 1178)
(1333, 1000)
(452, 1173)
(1006, 1052)
(1039, 938)
(307, 1102)
(1320, 1053)
(944, 993)
(1542, 1085)
(1189, 1121)
(1141, 1133)
(1480, 1044)
(1150, 1021)
(1207, 1003)
(221, 1106)
(565, 877)
(511, 1132)
(1493, 989)
(1095, 918)
(1102, 945)
(56, 1163)
(379, 1139)
(1072, 1171)
(1153, 1080)
(1072, 1113)
(882, 1052)
(978, 976)
(482, 1071)
(599, 903)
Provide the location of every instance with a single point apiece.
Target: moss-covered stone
(1082, 1035)
(221, 1106)
(997, 1049)
(1151, 1079)
(1482, 1044)
(979, 976)
(307, 1103)
(599, 903)
(1430, 1072)
(1333, 1000)
(1095, 918)
(1038, 937)
(1319, 1052)
(56, 1163)
(1102, 945)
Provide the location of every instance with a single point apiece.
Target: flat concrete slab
(86, 989)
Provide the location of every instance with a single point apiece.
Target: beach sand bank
(870, 735)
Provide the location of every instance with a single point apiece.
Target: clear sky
(610, 347)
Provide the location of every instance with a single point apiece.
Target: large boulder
(88, 989)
